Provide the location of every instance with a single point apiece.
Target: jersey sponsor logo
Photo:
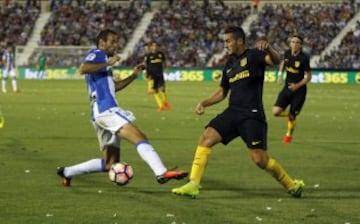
(240, 75)
(297, 64)
(90, 57)
(154, 61)
(292, 70)
(243, 62)
(357, 78)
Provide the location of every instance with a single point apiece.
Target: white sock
(91, 166)
(14, 85)
(3, 85)
(150, 156)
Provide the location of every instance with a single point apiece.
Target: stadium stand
(16, 22)
(347, 54)
(189, 30)
(318, 23)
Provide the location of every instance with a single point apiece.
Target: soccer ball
(121, 173)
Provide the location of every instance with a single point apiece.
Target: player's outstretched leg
(65, 181)
(171, 174)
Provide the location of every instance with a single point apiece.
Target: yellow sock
(158, 100)
(290, 127)
(164, 97)
(277, 171)
(199, 163)
(150, 84)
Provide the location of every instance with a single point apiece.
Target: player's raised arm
(121, 84)
(272, 57)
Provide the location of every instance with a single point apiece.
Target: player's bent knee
(276, 111)
(259, 157)
(209, 139)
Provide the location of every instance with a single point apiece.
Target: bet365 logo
(357, 78)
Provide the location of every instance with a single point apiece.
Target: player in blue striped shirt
(110, 121)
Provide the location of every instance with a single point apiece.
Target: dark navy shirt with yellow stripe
(295, 66)
(154, 63)
(243, 75)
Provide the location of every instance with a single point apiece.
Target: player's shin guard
(199, 163)
(278, 172)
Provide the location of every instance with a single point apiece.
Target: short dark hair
(237, 32)
(103, 35)
(296, 35)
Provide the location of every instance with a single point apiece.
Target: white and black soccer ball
(121, 173)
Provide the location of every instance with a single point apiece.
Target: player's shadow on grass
(225, 190)
(234, 191)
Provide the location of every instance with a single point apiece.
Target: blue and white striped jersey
(8, 58)
(100, 84)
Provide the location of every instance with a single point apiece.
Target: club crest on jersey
(243, 62)
(297, 64)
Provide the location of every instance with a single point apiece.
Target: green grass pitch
(47, 125)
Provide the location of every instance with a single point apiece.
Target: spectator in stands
(346, 55)
(321, 23)
(17, 22)
(255, 5)
(187, 27)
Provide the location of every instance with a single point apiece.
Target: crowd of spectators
(77, 25)
(17, 22)
(317, 23)
(346, 55)
(70, 25)
(189, 31)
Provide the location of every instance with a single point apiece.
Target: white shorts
(107, 123)
(106, 138)
(8, 72)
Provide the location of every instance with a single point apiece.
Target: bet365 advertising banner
(196, 75)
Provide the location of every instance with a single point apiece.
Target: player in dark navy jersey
(155, 62)
(111, 122)
(298, 73)
(242, 79)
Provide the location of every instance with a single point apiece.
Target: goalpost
(57, 56)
